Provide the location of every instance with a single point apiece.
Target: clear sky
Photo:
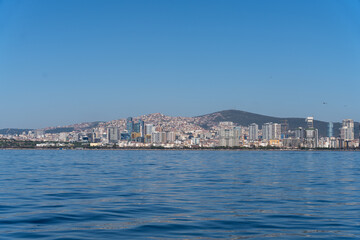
(70, 61)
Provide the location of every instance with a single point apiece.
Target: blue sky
(69, 61)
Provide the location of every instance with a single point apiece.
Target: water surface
(67, 194)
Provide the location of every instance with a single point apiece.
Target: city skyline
(213, 131)
(67, 62)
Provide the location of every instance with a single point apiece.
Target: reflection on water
(179, 194)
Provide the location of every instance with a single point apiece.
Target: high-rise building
(113, 134)
(330, 129)
(310, 122)
(299, 133)
(228, 137)
(139, 127)
(125, 136)
(163, 137)
(130, 125)
(347, 130)
(311, 138)
(238, 131)
(135, 130)
(149, 129)
(142, 128)
(271, 131)
(170, 137)
(267, 131)
(156, 137)
(276, 131)
(253, 132)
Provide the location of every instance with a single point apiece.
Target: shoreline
(188, 149)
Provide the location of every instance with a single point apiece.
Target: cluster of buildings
(157, 130)
(136, 132)
(277, 135)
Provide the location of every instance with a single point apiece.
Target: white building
(271, 131)
(253, 132)
(276, 131)
(170, 137)
(347, 130)
(149, 129)
(311, 138)
(63, 136)
(113, 134)
(162, 137)
(228, 137)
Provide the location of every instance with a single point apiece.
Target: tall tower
(141, 127)
(130, 125)
(311, 134)
(330, 130)
(276, 131)
(271, 131)
(267, 131)
(347, 129)
(149, 129)
(253, 132)
(113, 134)
(310, 122)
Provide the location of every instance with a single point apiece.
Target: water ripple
(179, 194)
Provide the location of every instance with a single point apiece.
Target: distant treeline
(11, 143)
(13, 131)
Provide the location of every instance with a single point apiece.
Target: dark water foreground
(179, 194)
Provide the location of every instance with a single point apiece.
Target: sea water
(52, 194)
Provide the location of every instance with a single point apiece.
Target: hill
(12, 131)
(205, 121)
(74, 127)
(246, 118)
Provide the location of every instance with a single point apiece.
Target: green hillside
(12, 131)
(246, 118)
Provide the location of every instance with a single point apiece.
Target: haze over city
(65, 62)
